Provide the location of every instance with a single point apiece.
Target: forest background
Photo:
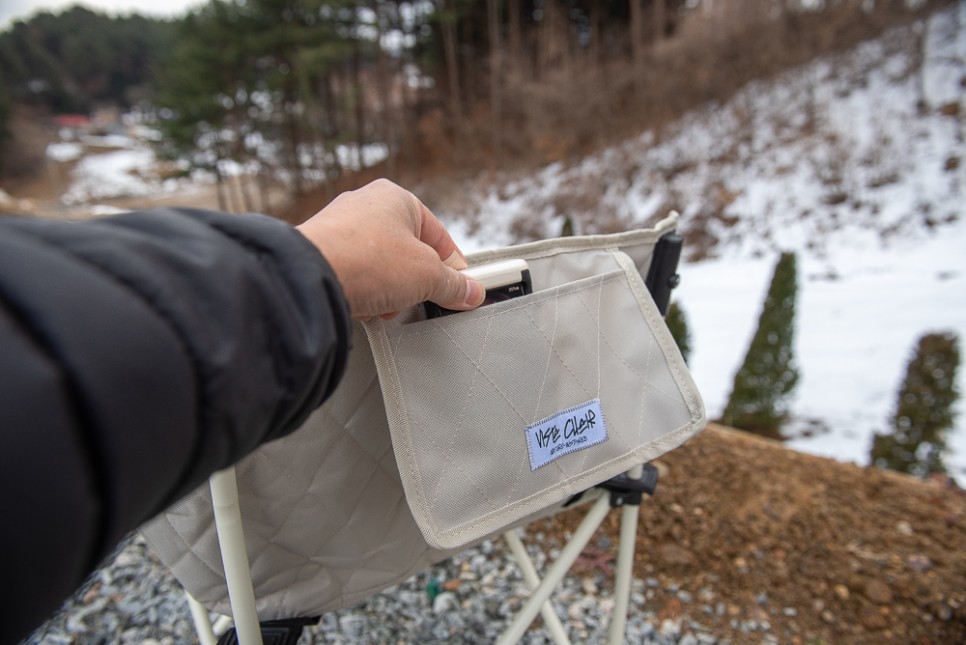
(273, 90)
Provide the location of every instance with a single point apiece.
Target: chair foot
(274, 632)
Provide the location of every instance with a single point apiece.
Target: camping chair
(352, 502)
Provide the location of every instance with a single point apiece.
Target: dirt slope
(746, 537)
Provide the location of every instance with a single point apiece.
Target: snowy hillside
(857, 162)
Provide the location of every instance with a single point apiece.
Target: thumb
(457, 291)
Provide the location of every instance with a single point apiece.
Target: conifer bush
(924, 410)
(759, 396)
(677, 324)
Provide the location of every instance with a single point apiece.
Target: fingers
(455, 261)
(433, 233)
(390, 252)
(456, 291)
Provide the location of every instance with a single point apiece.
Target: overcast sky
(11, 10)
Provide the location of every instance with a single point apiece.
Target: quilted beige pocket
(500, 412)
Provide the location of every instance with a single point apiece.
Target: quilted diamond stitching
(563, 363)
(651, 346)
(206, 535)
(498, 390)
(551, 351)
(295, 502)
(377, 459)
(512, 487)
(546, 366)
(647, 383)
(449, 451)
(514, 482)
(511, 492)
(304, 562)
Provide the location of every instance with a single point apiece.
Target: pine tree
(567, 228)
(758, 401)
(923, 412)
(677, 324)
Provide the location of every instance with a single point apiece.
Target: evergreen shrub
(677, 324)
(759, 396)
(924, 410)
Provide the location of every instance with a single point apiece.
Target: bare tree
(448, 24)
(636, 34)
(659, 10)
(496, 66)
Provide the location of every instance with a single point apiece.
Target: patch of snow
(372, 154)
(64, 151)
(119, 173)
(102, 210)
(109, 141)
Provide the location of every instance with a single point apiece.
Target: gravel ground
(134, 599)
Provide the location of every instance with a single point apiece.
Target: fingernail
(474, 293)
(455, 261)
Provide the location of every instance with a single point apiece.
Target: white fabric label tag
(566, 431)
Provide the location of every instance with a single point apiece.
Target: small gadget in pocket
(501, 280)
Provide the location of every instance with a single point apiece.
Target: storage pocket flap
(501, 412)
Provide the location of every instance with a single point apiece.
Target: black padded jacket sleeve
(138, 354)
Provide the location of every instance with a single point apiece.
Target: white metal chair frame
(231, 540)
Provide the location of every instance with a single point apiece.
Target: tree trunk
(496, 70)
(594, 51)
(448, 26)
(547, 49)
(289, 101)
(636, 35)
(247, 201)
(516, 32)
(263, 196)
(220, 189)
(387, 124)
(660, 19)
(360, 108)
(227, 198)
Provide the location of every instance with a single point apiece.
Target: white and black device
(502, 280)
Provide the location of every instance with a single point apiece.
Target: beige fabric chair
(433, 440)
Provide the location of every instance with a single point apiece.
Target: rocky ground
(744, 542)
(806, 549)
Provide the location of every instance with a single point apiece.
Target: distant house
(75, 125)
(107, 120)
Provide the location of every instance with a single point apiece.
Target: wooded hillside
(280, 85)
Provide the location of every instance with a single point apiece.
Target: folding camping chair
(223, 557)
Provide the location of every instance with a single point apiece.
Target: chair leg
(625, 566)
(231, 540)
(557, 571)
(206, 633)
(222, 625)
(550, 617)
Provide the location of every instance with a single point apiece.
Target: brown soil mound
(745, 537)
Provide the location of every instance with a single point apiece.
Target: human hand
(390, 252)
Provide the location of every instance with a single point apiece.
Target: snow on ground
(118, 173)
(131, 168)
(856, 162)
(64, 151)
(371, 154)
(855, 333)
